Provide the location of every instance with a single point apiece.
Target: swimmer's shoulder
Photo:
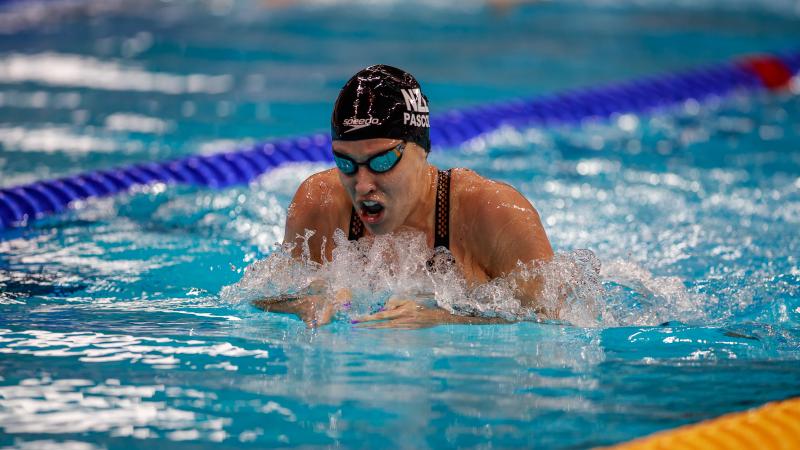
(487, 207)
(320, 199)
(482, 194)
(500, 225)
(321, 190)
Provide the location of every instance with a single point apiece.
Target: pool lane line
(19, 205)
(772, 426)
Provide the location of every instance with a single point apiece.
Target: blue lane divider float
(21, 204)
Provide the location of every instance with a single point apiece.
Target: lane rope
(19, 205)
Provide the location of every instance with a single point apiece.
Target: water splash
(634, 296)
(571, 287)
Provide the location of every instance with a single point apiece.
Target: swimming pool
(114, 334)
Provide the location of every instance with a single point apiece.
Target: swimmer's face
(383, 201)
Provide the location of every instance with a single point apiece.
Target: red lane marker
(773, 72)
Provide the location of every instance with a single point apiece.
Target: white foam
(396, 265)
(574, 288)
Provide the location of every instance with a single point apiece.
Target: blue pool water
(121, 323)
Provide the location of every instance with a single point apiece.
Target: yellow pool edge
(774, 425)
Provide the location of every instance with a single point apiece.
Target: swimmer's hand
(315, 310)
(408, 314)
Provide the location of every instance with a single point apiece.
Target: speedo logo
(357, 124)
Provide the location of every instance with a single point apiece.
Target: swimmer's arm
(313, 309)
(512, 232)
(410, 314)
(311, 209)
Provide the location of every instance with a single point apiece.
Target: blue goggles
(380, 163)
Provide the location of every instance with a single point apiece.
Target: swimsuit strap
(442, 228)
(356, 227)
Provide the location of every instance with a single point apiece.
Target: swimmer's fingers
(321, 311)
(393, 309)
(404, 322)
(325, 308)
(394, 324)
(265, 303)
(383, 315)
(313, 310)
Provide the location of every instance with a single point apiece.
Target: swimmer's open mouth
(371, 211)
(371, 207)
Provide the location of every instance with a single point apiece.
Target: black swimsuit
(442, 228)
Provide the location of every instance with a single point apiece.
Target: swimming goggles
(380, 163)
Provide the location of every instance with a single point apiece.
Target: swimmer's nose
(365, 182)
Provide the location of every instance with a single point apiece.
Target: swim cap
(381, 102)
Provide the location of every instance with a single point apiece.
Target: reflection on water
(71, 406)
(53, 69)
(339, 384)
(97, 347)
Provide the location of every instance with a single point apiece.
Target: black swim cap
(381, 102)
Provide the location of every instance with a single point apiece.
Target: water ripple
(162, 353)
(67, 406)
